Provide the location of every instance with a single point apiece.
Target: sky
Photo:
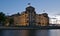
(52, 7)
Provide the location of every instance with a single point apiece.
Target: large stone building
(30, 18)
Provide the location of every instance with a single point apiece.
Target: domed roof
(30, 8)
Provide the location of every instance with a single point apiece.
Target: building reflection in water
(25, 33)
(55, 32)
(42, 33)
(15, 33)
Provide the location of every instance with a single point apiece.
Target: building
(29, 17)
(42, 19)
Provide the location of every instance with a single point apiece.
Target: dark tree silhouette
(2, 18)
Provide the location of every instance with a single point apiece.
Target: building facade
(29, 17)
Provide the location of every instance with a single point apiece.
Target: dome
(30, 8)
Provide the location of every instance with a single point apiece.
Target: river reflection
(55, 32)
(42, 33)
(15, 32)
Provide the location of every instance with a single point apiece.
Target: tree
(11, 22)
(2, 18)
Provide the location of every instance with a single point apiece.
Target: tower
(32, 13)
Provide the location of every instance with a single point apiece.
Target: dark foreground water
(55, 32)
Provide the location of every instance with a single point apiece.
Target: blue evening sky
(52, 7)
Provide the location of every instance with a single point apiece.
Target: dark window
(38, 22)
(27, 21)
(26, 12)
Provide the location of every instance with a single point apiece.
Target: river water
(55, 32)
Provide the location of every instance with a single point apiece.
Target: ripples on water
(55, 32)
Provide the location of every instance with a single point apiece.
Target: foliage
(2, 18)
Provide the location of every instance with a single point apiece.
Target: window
(39, 23)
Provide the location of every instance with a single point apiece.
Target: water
(42, 33)
(14, 32)
(55, 32)
(51, 32)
